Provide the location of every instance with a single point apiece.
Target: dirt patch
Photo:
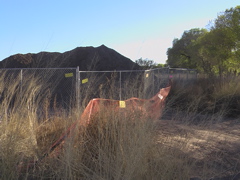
(214, 148)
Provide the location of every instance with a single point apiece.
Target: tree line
(214, 51)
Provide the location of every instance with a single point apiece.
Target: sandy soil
(212, 144)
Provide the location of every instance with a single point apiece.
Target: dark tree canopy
(146, 63)
(182, 53)
(215, 51)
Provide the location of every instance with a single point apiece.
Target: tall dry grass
(206, 97)
(113, 146)
(18, 123)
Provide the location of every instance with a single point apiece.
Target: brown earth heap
(100, 58)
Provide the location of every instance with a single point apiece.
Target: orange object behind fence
(150, 109)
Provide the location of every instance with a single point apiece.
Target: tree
(229, 23)
(215, 52)
(219, 48)
(146, 63)
(183, 54)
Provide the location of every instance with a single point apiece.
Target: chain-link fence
(45, 89)
(68, 87)
(125, 84)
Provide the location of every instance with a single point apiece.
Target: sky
(134, 28)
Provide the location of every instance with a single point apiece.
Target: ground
(213, 144)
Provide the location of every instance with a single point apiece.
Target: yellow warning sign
(122, 104)
(84, 81)
(68, 75)
(146, 75)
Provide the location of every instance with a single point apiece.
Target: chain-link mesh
(132, 84)
(44, 89)
(95, 84)
(10, 88)
(59, 83)
(111, 85)
(183, 74)
(125, 84)
(155, 79)
(67, 88)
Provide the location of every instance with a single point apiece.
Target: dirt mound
(100, 58)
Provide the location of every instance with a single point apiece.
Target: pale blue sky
(134, 28)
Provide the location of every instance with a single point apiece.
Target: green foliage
(215, 52)
(183, 53)
(161, 66)
(146, 63)
(149, 64)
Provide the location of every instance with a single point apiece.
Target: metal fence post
(78, 88)
(21, 82)
(120, 86)
(153, 85)
(168, 73)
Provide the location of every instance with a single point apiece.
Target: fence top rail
(126, 70)
(35, 68)
(183, 69)
(114, 71)
(74, 68)
(156, 69)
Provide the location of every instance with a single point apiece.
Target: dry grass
(116, 147)
(112, 146)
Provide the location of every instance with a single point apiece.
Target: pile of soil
(90, 58)
(62, 86)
